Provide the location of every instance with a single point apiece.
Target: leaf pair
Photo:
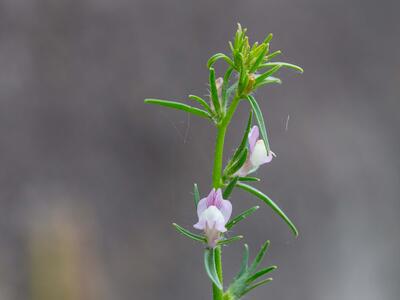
(244, 280)
(202, 239)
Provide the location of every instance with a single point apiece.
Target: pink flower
(257, 154)
(213, 212)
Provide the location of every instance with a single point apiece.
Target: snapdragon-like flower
(213, 212)
(257, 154)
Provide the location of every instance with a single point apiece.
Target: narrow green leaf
(235, 166)
(202, 102)
(180, 106)
(209, 264)
(268, 80)
(255, 48)
(230, 240)
(244, 140)
(229, 188)
(243, 80)
(268, 73)
(213, 91)
(189, 234)
(262, 282)
(241, 217)
(261, 273)
(270, 203)
(238, 36)
(282, 64)
(196, 194)
(260, 120)
(248, 179)
(245, 261)
(268, 38)
(231, 46)
(272, 55)
(216, 57)
(237, 57)
(260, 58)
(225, 85)
(260, 256)
(243, 73)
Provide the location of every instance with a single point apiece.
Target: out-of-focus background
(91, 177)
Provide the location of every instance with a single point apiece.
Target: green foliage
(229, 188)
(241, 217)
(260, 120)
(236, 164)
(270, 203)
(249, 179)
(209, 264)
(240, 152)
(202, 102)
(227, 241)
(196, 195)
(244, 280)
(179, 106)
(188, 234)
(214, 92)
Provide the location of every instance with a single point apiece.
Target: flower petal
(218, 198)
(201, 224)
(223, 205)
(259, 155)
(245, 169)
(220, 226)
(211, 198)
(211, 218)
(253, 137)
(226, 210)
(201, 207)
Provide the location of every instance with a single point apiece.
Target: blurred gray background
(91, 178)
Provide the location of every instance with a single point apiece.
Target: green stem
(217, 293)
(219, 145)
(218, 156)
(217, 181)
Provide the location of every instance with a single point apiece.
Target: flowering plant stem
(217, 181)
(247, 64)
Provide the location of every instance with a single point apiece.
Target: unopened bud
(250, 83)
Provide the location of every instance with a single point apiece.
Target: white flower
(213, 213)
(257, 154)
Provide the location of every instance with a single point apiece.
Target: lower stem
(217, 183)
(217, 293)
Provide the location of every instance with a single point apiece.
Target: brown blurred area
(91, 178)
